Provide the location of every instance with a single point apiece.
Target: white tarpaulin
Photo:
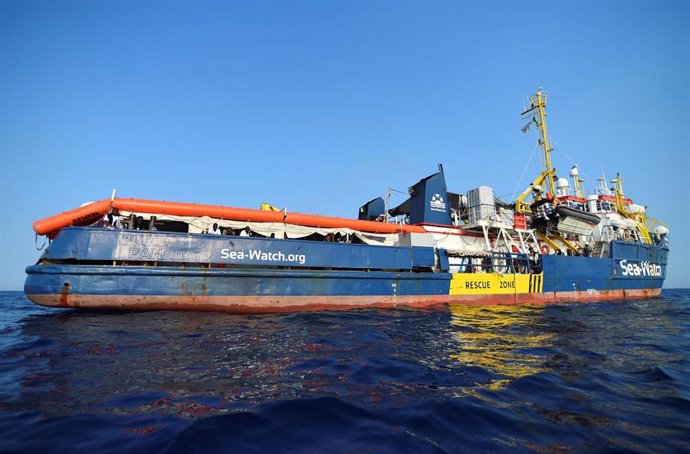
(274, 229)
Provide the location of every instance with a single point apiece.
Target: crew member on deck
(112, 219)
(587, 250)
(139, 223)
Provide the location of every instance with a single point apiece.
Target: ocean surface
(595, 377)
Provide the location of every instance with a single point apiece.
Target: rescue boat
(552, 244)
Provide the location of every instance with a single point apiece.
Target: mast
(639, 216)
(537, 112)
(541, 103)
(538, 108)
(619, 194)
(577, 181)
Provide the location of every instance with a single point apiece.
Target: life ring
(544, 249)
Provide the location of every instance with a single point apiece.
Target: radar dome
(661, 230)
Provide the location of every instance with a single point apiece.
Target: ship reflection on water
(196, 364)
(503, 340)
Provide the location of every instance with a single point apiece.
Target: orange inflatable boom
(95, 211)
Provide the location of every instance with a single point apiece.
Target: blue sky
(320, 106)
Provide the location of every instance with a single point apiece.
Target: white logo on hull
(253, 254)
(640, 269)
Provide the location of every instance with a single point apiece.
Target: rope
(42, 246)
(524, 171)
(560, 148)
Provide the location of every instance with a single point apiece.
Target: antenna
(603, 188)
(387, 203)
(387, 200)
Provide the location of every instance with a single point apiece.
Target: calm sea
(599, 377)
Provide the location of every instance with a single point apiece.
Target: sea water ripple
(595, 377)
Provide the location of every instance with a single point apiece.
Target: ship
(554, 243)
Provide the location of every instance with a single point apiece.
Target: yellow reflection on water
(496, 338)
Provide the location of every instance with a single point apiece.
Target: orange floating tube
(85, 215)
(93, 212)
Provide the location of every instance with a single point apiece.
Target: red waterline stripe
(281, 303)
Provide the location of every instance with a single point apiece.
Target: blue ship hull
(122, 269)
